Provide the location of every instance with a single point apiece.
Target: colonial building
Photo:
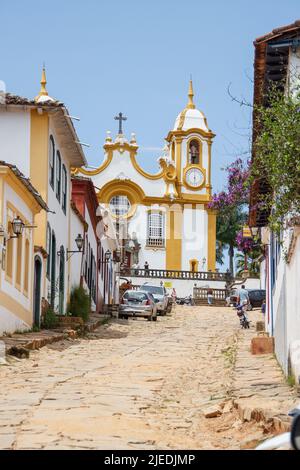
(163, 219)
(97, 265)
(277, 61)
(38, 137)
(20, 260)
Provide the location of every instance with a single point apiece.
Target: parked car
(138, 303)
(257, 297)
(160, 295)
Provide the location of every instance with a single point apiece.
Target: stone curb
(16, 346)
(276, 423)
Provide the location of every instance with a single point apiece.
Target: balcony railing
(174, 274)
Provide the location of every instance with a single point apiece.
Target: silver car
(160, 295)
(138, 303)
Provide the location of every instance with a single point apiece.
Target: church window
(119, 205)
(194, 152)
(51, 161)
(64, 188)
(58, 175)
(155, 229)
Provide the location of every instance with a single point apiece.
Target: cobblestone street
(138, 385)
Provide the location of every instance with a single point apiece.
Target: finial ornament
(43, 91)
(190, 104)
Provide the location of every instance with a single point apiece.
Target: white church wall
(15, 139)
(121, 167)
(138, 224)
(194, 241)
(185, 287)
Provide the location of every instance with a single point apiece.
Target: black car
(257, 297)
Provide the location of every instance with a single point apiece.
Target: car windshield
(135, 295)
(154, 289)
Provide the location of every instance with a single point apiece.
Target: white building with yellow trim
(164, 217)
(38, 137)
(20, 281)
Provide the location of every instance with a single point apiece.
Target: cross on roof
(120, 117)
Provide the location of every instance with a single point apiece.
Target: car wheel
(154, 318)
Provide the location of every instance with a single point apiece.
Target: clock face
(194, 177)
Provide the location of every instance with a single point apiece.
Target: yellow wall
(39, 141)
(211, 261)
(173, 238)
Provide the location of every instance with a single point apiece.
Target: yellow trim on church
(211, 240)
(174, 238)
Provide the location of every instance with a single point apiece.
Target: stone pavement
(136, 385)
(15, 343)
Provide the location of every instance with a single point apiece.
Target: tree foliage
(277, 155)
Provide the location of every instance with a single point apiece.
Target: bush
(80, 303)
(49, 319)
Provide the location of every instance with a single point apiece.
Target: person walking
(146, 267)
(243, 299)
(210, 296)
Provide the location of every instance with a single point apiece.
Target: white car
(160, 295)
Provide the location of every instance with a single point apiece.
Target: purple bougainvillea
(237, 191)
(244, 244)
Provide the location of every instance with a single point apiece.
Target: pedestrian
(243, 299)
(243, 296)
(136, 267)
(146, 267)
(210, 296)
(174, 295)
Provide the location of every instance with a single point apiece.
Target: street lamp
(79, 243)
(17, 226)
(117, 255)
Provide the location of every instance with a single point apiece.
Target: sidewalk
(20, 344)
(259, 389)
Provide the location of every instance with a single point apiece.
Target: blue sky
(136, 57)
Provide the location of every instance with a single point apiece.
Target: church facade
(163, 219)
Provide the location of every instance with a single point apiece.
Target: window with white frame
(119, 205)
(155, 229)
(51, 161)
(64, 188)
(58, 175)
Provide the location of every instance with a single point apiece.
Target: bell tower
(190, 144)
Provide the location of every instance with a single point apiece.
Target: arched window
(58, 175)
(155, 229)
(194, 152)
(51, 161)
(64, 188)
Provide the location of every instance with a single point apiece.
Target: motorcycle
(188, 300)
(287, 439)
(244, 322)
